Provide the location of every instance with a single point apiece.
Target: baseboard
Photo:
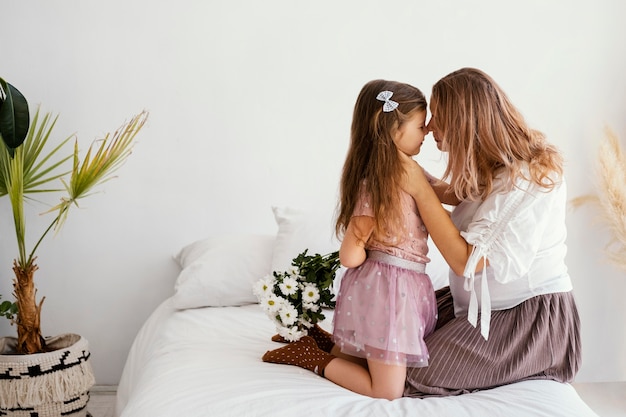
(104, 389)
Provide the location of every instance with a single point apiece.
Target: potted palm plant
(46, 376)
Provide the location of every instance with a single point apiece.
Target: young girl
(386, 304)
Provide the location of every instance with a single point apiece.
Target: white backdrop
(250, 105)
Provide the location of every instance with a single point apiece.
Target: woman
(509, 313)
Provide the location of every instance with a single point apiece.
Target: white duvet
(207, 362)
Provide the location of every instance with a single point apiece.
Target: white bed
(199, 353)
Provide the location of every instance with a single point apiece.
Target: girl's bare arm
(352, 250)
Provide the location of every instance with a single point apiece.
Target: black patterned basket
(49, 384)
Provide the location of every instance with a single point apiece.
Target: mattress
(207, 362)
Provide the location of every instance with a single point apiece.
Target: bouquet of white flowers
(293, 299)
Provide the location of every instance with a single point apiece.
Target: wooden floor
(607, 399)
(102, 401)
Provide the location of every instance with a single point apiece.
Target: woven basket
(49, 384)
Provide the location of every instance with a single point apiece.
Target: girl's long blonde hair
(372, 159)
(485, 134)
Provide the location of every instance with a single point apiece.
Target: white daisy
(289, 286)
(310, 306)
(290, 333)
(288, 314)
(310, 293)
(272, 303)
(305, 323)
(263, 287)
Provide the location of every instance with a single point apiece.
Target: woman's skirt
(538, 339)
(385, 308)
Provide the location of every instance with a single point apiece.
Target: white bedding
(207, 362)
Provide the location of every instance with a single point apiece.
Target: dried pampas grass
(611, 197)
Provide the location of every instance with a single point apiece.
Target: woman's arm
(442, 189)
(352, 250)
(447, 238)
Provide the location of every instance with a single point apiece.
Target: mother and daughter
(508, 314)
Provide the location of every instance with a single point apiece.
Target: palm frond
(38, 169)
(26, 171)
(32, 168)
(14, 183)
(103, 158)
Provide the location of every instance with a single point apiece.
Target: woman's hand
(414, 179)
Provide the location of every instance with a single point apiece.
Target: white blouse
(522, 233)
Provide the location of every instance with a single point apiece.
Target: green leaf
(27, 171)
(8, 309)
(14, 116)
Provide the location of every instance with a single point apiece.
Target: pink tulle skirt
(384, 311)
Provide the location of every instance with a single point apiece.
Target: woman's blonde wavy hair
(485, 135)
(373, 158)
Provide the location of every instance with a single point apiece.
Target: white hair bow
(389, 105)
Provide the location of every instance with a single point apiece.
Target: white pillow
(299, 230)
(220, 271)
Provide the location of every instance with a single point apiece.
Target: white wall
(250, 105)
